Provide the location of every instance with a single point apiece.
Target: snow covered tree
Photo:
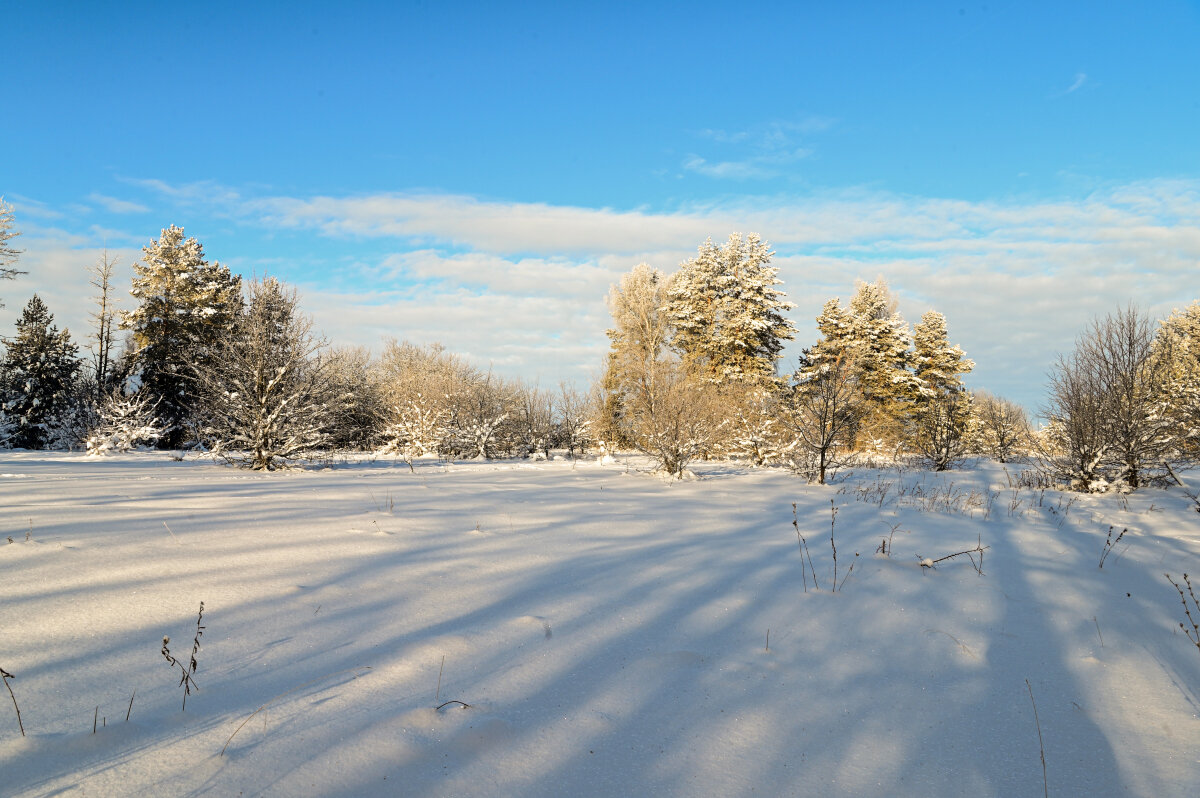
(638, 339)
(187, 307)
(1177, 348)
(125, 423)
(266, 395)
(675, 419)
(357, 426)
(8, 255)
(882, 357)
(1106, 419)
(7, 428)
(480, 422)
(752, 426)
(423, 391)
(37, 376)
(941, 418)
(533, 420)
(1001, 428)
(573, 420)
(419, 427)
(728, 314)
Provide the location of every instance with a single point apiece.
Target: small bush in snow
(126, 423)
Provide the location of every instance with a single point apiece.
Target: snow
(608, 630)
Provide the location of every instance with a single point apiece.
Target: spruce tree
(882, 355)
(186, 308)
(728, 313)
(37, 377)
(942, 414)
(937, 364)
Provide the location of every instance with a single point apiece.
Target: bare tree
(1002, 426)
(573, 419)
(1103, 409)
(673, 418)
(940, 427)
(533, 419)
(8, 255)
(825, 408)
(357, 425)
(103, 318)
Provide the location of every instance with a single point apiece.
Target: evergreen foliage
(881, 353)
(187, 307)
(37, 376)
(266, 396)
(942, 415)
(727, 313)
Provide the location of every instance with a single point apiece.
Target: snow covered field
(607, 629)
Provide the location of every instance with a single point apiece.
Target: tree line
(233, 367)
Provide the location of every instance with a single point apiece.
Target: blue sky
(479, 174)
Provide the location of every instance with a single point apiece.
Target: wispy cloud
(761, 152)
(114, 205)
(1081, 78)
(756, 167)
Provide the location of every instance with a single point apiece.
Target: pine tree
(39, 373)
(728, 313)
(187, 308)
(942, 415)
(882, 356)
(267, 395)
(936, 363)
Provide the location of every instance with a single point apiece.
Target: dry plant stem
(1193, 634)
(186, 680)
(768, 646)
(172, 533)
(6, 676)
(250, 717)
(832, 544)
(1109, 544)
(1098, 631)
(1041, 745)
(442, 667)
(847, 576)
(979, 548)
(804, 552)
(95, 717)
(463, 704)
(130, 705)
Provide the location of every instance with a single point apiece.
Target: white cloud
(1080, 79)
(522, 285)
(114, 205)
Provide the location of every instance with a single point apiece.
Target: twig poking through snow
(979, 549)
(6, 675)
(1041, 746)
